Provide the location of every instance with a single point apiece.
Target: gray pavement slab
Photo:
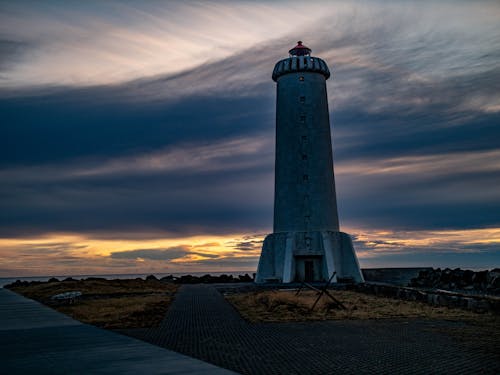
(200, 323)
(35, 339)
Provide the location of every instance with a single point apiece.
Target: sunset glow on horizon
(73, 254)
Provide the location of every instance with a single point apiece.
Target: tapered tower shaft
(305, 197)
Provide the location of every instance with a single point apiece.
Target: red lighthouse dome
(300, 50)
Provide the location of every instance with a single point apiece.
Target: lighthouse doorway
(308, 269)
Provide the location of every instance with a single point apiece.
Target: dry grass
(284, 306)
(116, 304)
(97, 287)
(481, 332)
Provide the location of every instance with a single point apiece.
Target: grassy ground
(285, 306)
(114, 304)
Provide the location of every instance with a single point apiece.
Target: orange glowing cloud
(77, 254)
(70, 254)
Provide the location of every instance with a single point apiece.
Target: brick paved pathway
(201, 324)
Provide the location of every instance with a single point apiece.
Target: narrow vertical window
(302, 118)
(302, 99)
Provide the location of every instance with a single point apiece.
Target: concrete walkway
(35, 339)
(200, 323)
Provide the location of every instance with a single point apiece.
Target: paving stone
(201, 324)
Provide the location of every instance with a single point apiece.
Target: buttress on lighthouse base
(307, 256)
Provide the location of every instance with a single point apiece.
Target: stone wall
(396, 276)
(482, 282)
(435, 297)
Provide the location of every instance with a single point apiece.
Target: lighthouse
(306, 243)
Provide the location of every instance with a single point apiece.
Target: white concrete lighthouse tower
(306, 244)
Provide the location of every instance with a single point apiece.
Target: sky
(138, 137)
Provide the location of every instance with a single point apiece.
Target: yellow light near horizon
(67, 253)
(212, 245)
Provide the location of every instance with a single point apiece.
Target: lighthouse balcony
(300, 64)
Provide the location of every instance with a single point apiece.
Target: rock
(493, 286)
(492, 275)
(17, 283)
(458, 279)
(495, 283)
(480, 277)
(168, 278)
(467, 277)
(446, 276)
(207, 279)
(67, 297)
(151, 277)
(245, 278)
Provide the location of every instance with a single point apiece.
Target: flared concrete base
(307, 256)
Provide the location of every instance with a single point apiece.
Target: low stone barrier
(394, 276)
(435, 297)
(478, 282)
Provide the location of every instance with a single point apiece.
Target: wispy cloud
(476, 248)
(426, 165)
(110, 42)
(226, 155)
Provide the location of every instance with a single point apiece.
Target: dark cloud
(64, 127)
(153, 254)
(205, 255)
(228, 262)
(49, 249)
(11, 52)
(400, 128)
(167, 254)
(161, 202)
(248, 242)
(248, 245)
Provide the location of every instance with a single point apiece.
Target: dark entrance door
(308, 270)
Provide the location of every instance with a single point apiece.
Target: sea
(9, 280)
